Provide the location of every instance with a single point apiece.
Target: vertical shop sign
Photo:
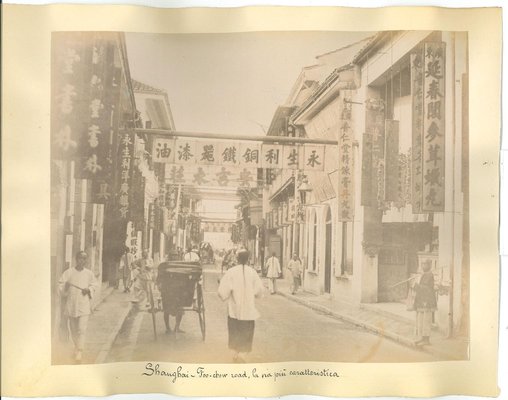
(417, 61)
(291, 210)
(125, 161)
(137, 198)
(94, 162)
(151, 216)
(392, 160)
(375, 129)
(433, 149)
(101, 188)
(69, 85)
(366, 187)
(401, 181)
(346, 166)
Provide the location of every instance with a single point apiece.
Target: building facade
(394, 194)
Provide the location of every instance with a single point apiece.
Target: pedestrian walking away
(170, 302)
(424, 304)
(126, 269)
(77, 286)
(142, 277)
(273, 272)
(240, 286)
(295, 267)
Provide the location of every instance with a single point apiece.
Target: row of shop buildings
(106, 193)
(393, 194)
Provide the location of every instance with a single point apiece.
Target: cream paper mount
(466, 41)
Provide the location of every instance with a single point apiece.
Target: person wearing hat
(239, 286)
(77, 286)
(142, 277)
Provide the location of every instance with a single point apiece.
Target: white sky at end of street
(228, 83)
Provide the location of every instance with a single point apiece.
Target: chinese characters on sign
(68, 90)
(417, 113)
(346, 167)
(373, 154)
(428, 144)
(211, 175)
(433, 154)
(240, 154)
(314, 158)
(163, 150)
(125, 160)
(392, 160)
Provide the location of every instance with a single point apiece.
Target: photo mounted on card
(175, 173)
(256, 206)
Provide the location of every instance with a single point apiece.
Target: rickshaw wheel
(201, 311)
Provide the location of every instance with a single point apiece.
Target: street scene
(259, 197)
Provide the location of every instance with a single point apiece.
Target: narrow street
(286, 331)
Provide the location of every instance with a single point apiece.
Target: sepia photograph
(259, 197)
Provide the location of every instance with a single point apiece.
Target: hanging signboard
(392, 160)
(242, 154)
(207, 153)
(125, 161)
(163, 150)
(374, 150)
(250, 154)
(229, 153)
(271, 155)
(346, 167)
(290, 157)
(417, 129)
(284, 214)
(433, 149)
(212, 175)
(185, 151)
(70, 75)
(314, 157)
(366, 184)
(291, 210)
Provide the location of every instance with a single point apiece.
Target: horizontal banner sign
(211, 175)
(237, 154)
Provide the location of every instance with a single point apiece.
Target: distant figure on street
(77, 286)
(191, 255)
(295, 267)
(273, 272)
(126, 262)
(240, 286)
(425, 304)
(142, 277)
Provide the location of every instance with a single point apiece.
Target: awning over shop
(286, 190)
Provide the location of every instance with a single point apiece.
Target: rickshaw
(181, 286)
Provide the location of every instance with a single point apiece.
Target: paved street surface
(286, 331)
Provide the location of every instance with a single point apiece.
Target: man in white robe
(77, 286)
(273, 272)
